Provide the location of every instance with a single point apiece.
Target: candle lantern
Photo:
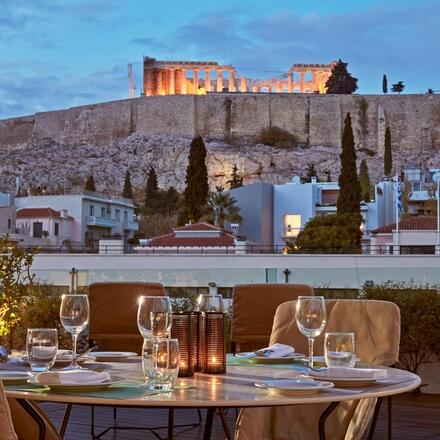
(212, 346)
(185, 329)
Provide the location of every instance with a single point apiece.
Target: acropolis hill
(59, 148)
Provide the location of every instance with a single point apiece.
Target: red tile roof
(414, 223)
(37, 212)
(170, 240)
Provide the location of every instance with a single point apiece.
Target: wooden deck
(415, 418)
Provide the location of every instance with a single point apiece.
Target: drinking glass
(339, 349)
(210, 303)
(154, 316)
(311, 317)
(160, 362)
(74, 316)
(41, 348)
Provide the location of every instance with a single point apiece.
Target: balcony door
(37, 229)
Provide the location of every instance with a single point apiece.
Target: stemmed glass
(311, 317)
(74, 316)
(154, 316)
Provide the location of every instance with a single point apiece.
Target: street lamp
(436, 178)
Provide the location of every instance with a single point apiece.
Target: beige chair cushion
(254, 307)
(377, 328)
(113, 313)
(7, 431)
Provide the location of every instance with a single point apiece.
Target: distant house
(197, 238)
(417, 235)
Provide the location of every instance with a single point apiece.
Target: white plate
(253, 358)
(61, 362)
(111, 356)
(73, 387)
(294, 386)
(350, 382)
(14, 377)
(321, 359)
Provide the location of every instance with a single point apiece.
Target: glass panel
(292, 225)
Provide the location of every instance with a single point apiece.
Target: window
(102, 212)
(292, 225)
(56, 229)
(9, 223)
(118, 215)
(91, 210)
(125, 216)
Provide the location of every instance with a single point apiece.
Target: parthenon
(201, 77)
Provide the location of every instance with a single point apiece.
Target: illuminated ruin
(201, 77)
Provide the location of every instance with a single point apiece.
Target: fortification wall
(313, 119)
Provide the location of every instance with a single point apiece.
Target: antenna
(130, 81)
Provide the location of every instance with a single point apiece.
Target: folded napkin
(276, 350)
(73, 377)
(350, 373)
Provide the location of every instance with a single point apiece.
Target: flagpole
(397, 215)
(436, 178)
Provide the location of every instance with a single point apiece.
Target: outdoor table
(235, 389)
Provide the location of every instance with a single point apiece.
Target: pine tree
(388, 154)
(151, 200)
(384, 85)
(328, 174)
(340, 81)
(197, 189)
(236, 180)
(127, 191)
(310, 172)
(90, 184)
(349, 188)
(364, 181)
(398, 87)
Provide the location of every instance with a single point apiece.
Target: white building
(82, 218)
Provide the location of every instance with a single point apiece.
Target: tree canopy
(364, 181)
(398, 87)
(310, 172)
(388, 154)
(340, 81)
(236, 180)
(384, 85)
(222, 208)
(127, 191)
(90, 184)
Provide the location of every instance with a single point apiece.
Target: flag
(398, 197)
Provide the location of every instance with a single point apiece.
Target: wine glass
(210, 303)
(311, 317)
(74, 316)
(154, 316)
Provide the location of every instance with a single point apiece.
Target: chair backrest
(113, 311)
(253, 310)
(6, 426)
(376, 325)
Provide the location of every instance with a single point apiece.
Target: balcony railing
(131, 226)
(104, 222)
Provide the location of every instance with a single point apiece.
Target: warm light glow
(201, 91)
(292, 225)
(140, 300)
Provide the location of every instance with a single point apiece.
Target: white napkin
(350, 373)
(276, 350)
(73, 377)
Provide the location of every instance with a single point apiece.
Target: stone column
(243, 85)
(231, 85)
(289, 82)
(171, 81)
(159, 90)
(207, 80)
(301, 82)
(148, 86)
(195, 81)
(183, 82)
(219, 80)
(279, 86)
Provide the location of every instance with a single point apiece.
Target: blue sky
(60, 53)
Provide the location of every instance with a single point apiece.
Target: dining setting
(324, 371)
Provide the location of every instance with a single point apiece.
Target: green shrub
(276, 137)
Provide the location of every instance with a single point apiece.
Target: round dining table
(235, 389)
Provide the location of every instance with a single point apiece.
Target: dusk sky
(57, 54)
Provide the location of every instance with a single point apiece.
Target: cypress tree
(364, 180)
(340, 81)
(197, 189)
(349, 188)
(151, 191)
(388, 154)
(127, 191)
(90, 184)
(384, 85)
(236, 180)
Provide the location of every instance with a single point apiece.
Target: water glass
(339, 349)
(311, 318)
(41, 348)
(210, 303)
(154, 316)
(74, 316)
(160, 362)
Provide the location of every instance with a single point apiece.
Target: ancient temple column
(171, 81)
(231, 85)
(207, 80)
(279, 86)
(301, 82)
(148, 86)
(195, 81)
(289, 82)
(243, 87)
(219, 80)
(159, 90)
(183, 82)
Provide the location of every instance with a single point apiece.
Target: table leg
(323, 418)
(208, 423)
(37, 418)
(374, 419)
(390, 417)
(66, 417)
(170, 424)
